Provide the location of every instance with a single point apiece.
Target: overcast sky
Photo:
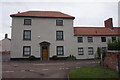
(90, 13)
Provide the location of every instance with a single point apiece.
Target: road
(42, 69)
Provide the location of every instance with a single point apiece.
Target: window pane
(103, 39)
(60, 50)
(90, 39)
(59, 35)
(80, 51)
(113, 38)
(80, 39)
(27, 35)
(59, 22)
(90, 50)
(26, 50)
(27, 21)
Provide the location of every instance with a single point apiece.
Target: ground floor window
(90, 50)
(60, 50)
(104, 49)
(26, 50)
(80, 51)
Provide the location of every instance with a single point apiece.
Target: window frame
(92, 50)
(58, 51)
(113, 37)
(59, 35)
(27, 23)
(59, 22)
(81, 51)
(102, 39)
(80, 39)
(90, 40)
(24, 51)
(24, 35)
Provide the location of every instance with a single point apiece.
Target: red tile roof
(96, 31)
(45, 14)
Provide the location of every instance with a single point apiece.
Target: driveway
(42, 69)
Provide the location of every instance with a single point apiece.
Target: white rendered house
(48, 33)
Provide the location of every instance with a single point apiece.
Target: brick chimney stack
(108, 23)
(6, 36)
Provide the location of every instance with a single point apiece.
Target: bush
(71, 57)
(115, 45)
(31, 58)
(98, 52)
(54, 57)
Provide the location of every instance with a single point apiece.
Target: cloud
(86, 13)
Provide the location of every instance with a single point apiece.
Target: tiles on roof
(45, 14)
(96, 31)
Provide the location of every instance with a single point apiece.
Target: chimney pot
(6, 36)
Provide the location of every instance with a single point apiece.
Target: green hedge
(115, 45)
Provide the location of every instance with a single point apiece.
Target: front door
(44, 53)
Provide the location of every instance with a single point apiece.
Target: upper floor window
(59, 22)
(90, 39)
(59, 35)
(113, 38)
(90, 50)
(27, 35)
(27, 21)
(26, 50)
(103, 39)
(80, 51)
(80, 39)
(60, 50)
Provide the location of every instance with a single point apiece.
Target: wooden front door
(44, 53)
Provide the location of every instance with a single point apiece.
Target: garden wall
(5, 55)
(111, 59)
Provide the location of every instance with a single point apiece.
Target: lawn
(93, 72)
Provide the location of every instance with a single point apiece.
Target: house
(5, 45)
(48, 33)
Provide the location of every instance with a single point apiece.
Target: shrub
(115, 45)
(31, 58)
(71, 57)
(54, 57)
(98, 52)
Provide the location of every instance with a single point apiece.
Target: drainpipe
(118, 64)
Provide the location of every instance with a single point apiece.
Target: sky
(88, 13)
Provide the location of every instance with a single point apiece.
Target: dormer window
(59, 22)
(27, 21)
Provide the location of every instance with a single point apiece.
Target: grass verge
(93, 72)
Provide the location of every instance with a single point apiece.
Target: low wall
(111, 59)
(5, 55)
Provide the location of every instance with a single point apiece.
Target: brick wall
(111, 58)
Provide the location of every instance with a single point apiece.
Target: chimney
(18, 11)
(6, 36)
(108, 23)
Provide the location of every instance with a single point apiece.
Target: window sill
(26, 55)
(80, 54)
(60, 55)
(59, 40)
(26, 39)
(27, 24)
